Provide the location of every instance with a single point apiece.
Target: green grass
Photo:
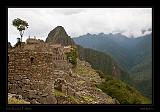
(88, 98)
(58, 93)
(124, 93)
(81, 82)
(16, 101)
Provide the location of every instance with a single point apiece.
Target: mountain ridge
(131, 53)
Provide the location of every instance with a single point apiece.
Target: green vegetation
(81, 82)
(98, 60)
(77, 100)
(16, 101)
(58, 93)
(72, 56)
(21, 25)
(124, 93)
(133, 54)
(88, 99)
(102, 62)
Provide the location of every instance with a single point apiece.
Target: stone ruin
(37, 69)
(30, 70)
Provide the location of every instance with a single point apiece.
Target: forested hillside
(134, 55)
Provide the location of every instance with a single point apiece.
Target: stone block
(42, 100)
(26, 81)
(51, 99)
(32, 94)
(70, 91)
(34, 101)
(14, 88)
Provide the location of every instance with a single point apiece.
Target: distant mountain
(133, 54)
(111, 73)
(59, 36)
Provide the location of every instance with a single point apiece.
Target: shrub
(72, 56)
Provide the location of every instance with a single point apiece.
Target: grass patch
(88, 98)
(81, 82)
(72, 98)
(16, 101)
(58, 93)
(124, 93)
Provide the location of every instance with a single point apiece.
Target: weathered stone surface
(33, 94)
(59, 83)
(34, 101)
(62, 100)
(26, 87)
(26, 81)
(17, 77)
(14, 88)
(70, 91)
(51, 99)
(42, 100)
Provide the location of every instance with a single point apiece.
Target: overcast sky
(79, 21)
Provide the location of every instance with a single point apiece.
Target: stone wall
(31, 70)
(30, 74)
(34, 41)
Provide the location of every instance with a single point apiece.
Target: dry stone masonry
(30, 71)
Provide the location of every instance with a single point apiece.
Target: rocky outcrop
(59, 36)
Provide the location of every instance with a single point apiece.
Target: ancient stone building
(34, 41)
(30, 70)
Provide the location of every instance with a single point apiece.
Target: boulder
(51, 99)
(34, 101)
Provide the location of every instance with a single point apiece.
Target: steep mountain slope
(133, 54)
(59, 36)
(112, 86)
(127, 51)
(105, 43)
(124, 93)
(103, 62)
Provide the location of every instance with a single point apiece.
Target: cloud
(69, 11)
(79, 21)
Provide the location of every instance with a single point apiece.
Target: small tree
(21, 26)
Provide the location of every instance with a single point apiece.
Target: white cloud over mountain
(79, 21)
